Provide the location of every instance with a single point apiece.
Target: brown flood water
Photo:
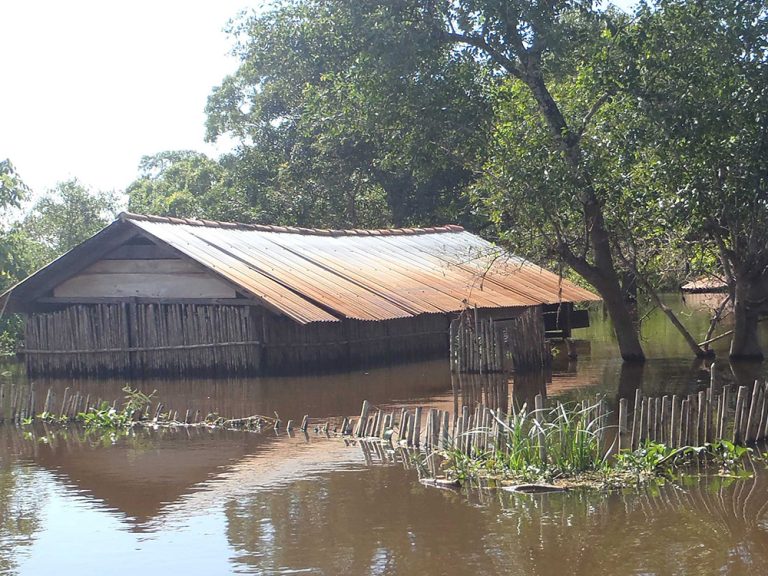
(202, 502)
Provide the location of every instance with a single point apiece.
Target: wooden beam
(137, 300)
(141, 252)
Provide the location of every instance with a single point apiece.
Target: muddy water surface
(202, 502)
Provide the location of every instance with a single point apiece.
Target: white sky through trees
(90, 86)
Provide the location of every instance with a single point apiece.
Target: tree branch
(604, 99)
(507, 63)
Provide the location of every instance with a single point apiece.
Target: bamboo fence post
(622, 432)
(708, 432)
(699, 417)
(674, 422)
(417, 426)
(636, 420)
(740, 399)
(446, 435)
(363, 419)
(539, 405)
(723, 414)
(749, 437)
(761, 433)
(664, 421)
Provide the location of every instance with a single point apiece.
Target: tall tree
(65, 216)
(702, 79)
(186, 183)
(560, 187)
(13, 190)
(363, 124)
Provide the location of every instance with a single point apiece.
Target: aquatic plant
(566, 443)
(536, 445)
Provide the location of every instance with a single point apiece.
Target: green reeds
(564, 440)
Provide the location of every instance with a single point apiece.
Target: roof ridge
(290, 229)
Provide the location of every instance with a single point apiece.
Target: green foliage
(68, 214)
(188, 184)
(655, 459)
(136, 400)
(351, 114)
(12, 193)
(106, 417)
(12, 187)
(564, 443)
(568, 433)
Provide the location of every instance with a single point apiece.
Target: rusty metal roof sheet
(320, 275)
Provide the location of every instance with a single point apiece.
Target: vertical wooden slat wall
(101, 339)
(204, 339)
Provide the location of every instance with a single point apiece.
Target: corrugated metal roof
(321, 275)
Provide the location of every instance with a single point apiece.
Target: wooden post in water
(750, 433)
(738, 438)
(622, 431)
(723, 414)
(763, 414)
(700, 418)
(664, 422)
(458, 438)
(636, 420)
(417, 426)
(363, 419)
(539, 405)
(677, 421)
(446, 435)
(411, 419)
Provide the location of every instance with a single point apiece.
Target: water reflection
(20, 513)
(280, 505)
(392, 525)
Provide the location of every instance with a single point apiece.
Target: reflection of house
(155, 295)
(151, 473)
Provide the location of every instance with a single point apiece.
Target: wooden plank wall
(146, 339)
(290, 347)
(210, 339)
(149, 278)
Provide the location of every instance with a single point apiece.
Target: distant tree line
(631, 149)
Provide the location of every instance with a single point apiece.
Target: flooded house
(158, 295)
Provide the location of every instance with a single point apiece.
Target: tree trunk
(606, 283)
(398, 188)
(623, 324)
(745, 344)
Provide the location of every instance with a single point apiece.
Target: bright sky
(88, 87)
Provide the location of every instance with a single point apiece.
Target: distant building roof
(314, 275)
(705, 284)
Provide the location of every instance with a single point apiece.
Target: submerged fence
(740, 416)
(486, 345)
(480, 416)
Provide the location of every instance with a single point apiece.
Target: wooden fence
(740, 416)
(486, 345)
(142, 338)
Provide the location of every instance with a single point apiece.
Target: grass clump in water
(535, 445)
(567, 446)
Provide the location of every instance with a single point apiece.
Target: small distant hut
(153, 295)
(705, 285)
